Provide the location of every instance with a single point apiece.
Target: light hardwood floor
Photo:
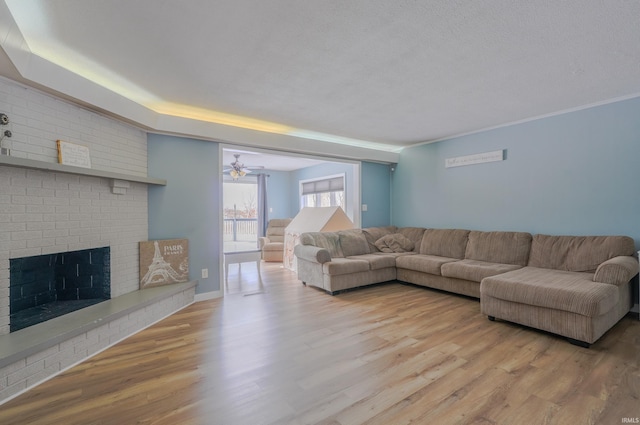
(389, 354)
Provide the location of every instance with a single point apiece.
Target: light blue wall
(189, 206)
(376, 194)
(572, 174)
(278, 194)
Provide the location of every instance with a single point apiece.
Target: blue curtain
(263, 210)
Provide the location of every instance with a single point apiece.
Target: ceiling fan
(238, 169)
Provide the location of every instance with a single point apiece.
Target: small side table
(239, 258)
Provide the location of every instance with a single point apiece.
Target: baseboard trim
(208, 296)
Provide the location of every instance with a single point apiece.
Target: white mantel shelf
(12, 161)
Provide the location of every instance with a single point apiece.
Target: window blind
(326, 185)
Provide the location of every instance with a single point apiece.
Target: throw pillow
(394, 242)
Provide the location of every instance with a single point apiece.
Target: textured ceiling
(395, 72)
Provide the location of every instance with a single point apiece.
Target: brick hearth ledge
(39, 352)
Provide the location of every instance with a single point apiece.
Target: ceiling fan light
(237, 168)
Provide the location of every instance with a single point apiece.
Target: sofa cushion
(374, 233)
(475, 270)
(338, 266)
(450, 243)
(327, 240)
(353, 242)
(577, 253)
(554, 289)
(499, 247)
(423, 263)
(394, 242)
(376, 261)
(414, 234)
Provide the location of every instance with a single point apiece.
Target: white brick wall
(43, 212)
(37, 120)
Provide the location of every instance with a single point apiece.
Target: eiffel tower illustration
(161, 271)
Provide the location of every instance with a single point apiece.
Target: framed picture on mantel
(72, 154)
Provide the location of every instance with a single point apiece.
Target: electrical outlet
(205, 273)
(364, 207)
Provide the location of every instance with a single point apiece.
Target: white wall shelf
(12, 161)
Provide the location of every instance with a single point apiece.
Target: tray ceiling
(383, 74)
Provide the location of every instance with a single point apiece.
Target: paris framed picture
(163, 262)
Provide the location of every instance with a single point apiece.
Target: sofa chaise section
(574, 286)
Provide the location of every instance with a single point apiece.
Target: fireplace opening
(47, 286)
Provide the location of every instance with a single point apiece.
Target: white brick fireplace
(43, 212)
(48, 213)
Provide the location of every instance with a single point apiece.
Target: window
(326, 192)
(240, 206)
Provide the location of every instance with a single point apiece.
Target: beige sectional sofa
(574, 286)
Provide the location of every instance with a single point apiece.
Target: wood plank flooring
(388, 354)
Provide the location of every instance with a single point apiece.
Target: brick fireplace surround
(43, 212)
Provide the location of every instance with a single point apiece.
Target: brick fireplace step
(34, 339)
